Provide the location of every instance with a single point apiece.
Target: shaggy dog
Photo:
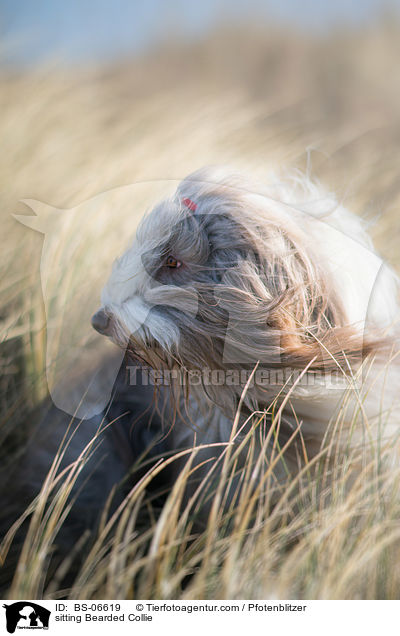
(266, 299)
(268, 315)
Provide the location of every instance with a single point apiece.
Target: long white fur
(334, 241)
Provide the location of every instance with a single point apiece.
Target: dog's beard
(149, 354)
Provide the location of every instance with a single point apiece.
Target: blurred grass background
(248, 94)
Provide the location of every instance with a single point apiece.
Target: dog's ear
(280, 312)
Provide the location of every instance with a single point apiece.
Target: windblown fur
(254, 303)
(231, 276)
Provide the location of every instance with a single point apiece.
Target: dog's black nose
(100, 321)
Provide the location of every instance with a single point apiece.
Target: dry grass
(254, 99)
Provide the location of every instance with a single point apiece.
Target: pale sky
(73, 31)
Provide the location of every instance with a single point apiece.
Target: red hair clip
(190, 204)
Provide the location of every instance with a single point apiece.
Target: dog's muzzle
(101, 322)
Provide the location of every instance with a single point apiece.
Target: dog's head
(221, 276)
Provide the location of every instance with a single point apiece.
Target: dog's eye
(172, 262)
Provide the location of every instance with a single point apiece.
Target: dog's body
(263, 300)
(228, 277)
